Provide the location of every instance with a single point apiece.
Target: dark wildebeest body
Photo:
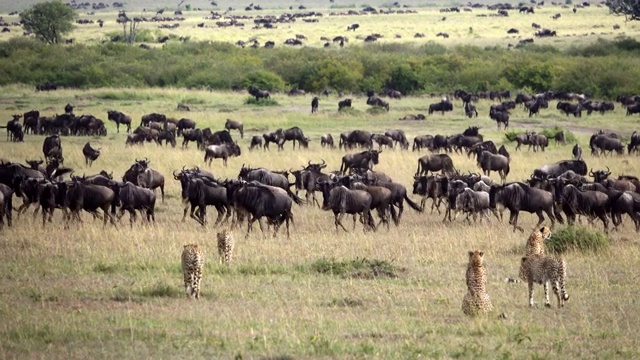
(430, 187)
(134, 198)
(295, 134)
(500, 118)
(184, 124)
(235, 125)
(200, 192)
(470, 110)
(223, 152)
(346, 103)
(521, 197)
(398, 137)
(488, 161)
(435, 162)
(276, 137)
(537, 141)
(358, 137)
(378, 101)
(343, 201)
(89, 198)
(52, 148)
(141, 175)
(256, 142)
(90, 154)
(327, 140)
(605, 143)
(555, 170)
(119, 118)
(382, 140)
(6, 205)
(314, 104)
(192, 135)
(363, 160)
(30, 121)
(423, 141)
(257, 93)
(441, 106)
(588, 202)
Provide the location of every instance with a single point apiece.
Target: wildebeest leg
(44, 217)
(541, 219)
(551, 217)
(186, 208)
(514, 220)
(338, 220)
(354, 220)
(605, 221)
(495, 213)
(162, 191)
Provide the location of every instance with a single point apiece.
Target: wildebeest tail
(296, 199)
(413, 205)
(394, 214)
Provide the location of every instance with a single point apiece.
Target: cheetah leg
(556, 292)
(547, 303)
(530, 293)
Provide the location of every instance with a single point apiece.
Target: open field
(94, 292)
(478, 28)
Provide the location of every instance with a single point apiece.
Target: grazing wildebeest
(193, 135)
(382, 140)
(378, 101)
(90, 154)
(260, 201)
(257, 93)
(235, 125)
(276, 137)
(141, 175)
(488, 161)
(357, 137)
(256, 141)
(132, 198)
(435, 162)
(184, 124)
(569, 108)
(442, 106)
(314, 104)
(343, 201)
(521, 197)
(119, 118)
(216, 138)
(346, 103)
(52, 148)
(295, 134)
(223, 152)
(327, 140)
(363, 160)
(398, 137)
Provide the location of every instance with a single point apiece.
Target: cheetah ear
(470, 253)
(481, 253)
(524, 259)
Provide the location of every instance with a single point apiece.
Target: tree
(629, 8)
(48, 20)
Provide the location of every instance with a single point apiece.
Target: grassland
(94, 292)
(478, 28)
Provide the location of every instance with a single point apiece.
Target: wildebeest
(521, 197)
(435, 162)
(363, 160)
(522, 139)
(470, 110)
(6, 205)
(327, 140)
(184, 124)
(257, 93)
(634, 143)
(119, 118)
(223, 152)
(141, 175)
(500, 117)
(52, 148)
(413, 117)
(235, 125)
(199, 191)
(14, 129)
(346, 103)
(588, 202)
(260, 201)
(433, 187)
(192, 135)
(89, 198)
(576, 152)
(382, 140)
(378, 101)
(537, 141)
(37, 165)
(308, 178)
(276, 137)
(294, 134)
(315, 102)
(399, 137)
(30, 121)
(605, 143)
(356, 137)
(442, 106)
(534, 106)
(256, 141)
(488, 161)
(90, 154)
(132, 198)
(556, 169)
(422, 141)
(343, 201)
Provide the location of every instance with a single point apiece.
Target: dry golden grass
(116, 292)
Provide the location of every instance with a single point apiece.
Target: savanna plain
(117, 292)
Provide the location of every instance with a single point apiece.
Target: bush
(358, 268)
(261, 102)
(264, 80)
(376, 110)
(577, 238)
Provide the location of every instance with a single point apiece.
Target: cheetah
(192, 262)
(476, 301)
(535, 243)
(225, 246)
(542, 270)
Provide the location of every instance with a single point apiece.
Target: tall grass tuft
(357, 268)
(260, 102)
(578, 238)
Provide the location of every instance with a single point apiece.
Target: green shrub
(577, 238)
(358, 268)
(260, 102)
(376, 110)
(264, 80)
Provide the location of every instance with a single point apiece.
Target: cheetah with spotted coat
(476, 301)
(226, 244)
(535, 243)
(544, 270)
(192, 262)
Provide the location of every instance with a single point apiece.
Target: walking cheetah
(192, 262)
(476, 301)
(225, 246)
(542, 270)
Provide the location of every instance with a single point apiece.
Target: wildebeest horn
(323, 162)
(137, 160)
(309, 162)
(608, 171)
(146, 160)
(591, 172)
(174, 175)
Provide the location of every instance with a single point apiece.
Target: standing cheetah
(192, 262)
(225, 246)
(476, 301)
(542, 270)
